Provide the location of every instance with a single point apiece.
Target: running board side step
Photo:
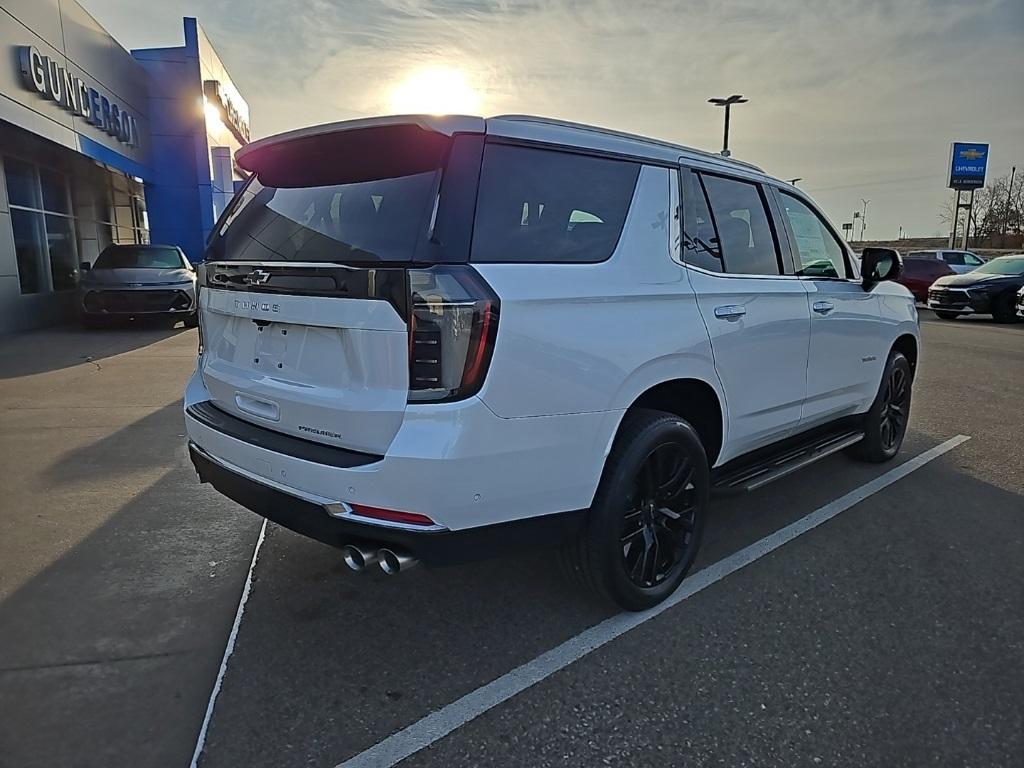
(749, 474)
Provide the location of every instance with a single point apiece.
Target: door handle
(730, 312)
(823, 307)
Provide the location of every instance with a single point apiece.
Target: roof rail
(624, 135)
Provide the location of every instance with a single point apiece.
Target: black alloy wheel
(895, 408)
(885, 424)
(644, 526)
(658, 525)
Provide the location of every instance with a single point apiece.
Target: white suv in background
(436, 338)
(960, 262)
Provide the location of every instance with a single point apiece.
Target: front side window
(972, 261)
(818, 252)
(953, 257)
(539, 205)
(747, 241)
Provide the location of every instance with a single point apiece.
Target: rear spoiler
(256, 155)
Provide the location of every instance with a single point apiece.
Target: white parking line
(228, 649)
(439, 724)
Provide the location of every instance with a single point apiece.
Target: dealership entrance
(99, 145)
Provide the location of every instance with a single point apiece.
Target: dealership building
(102, 145)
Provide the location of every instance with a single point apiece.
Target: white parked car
(436, 338)
(960, 262)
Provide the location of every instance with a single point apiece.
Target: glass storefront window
(60, 240)
(21, 183)
(55, 197)
(53, 229)
(28, 248)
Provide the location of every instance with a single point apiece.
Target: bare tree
(994, 212)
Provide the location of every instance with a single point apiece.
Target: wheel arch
(907, 344)
(693, 400)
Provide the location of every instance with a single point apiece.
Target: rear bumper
(434, 547)
(457, 463)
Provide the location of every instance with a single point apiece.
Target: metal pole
(967, 224)
(956, 220)
(1009, 192)
(725, 139)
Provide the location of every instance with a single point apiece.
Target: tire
(192, 321)
(632, 551)
(1003, 309)
(885, 425)
(947, 315)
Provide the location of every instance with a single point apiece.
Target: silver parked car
(129, 281)
(960, 262)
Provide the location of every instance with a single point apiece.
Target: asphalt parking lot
(890, 634)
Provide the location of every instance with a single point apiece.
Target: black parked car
(991, 289)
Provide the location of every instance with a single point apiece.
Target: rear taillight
(453, 322)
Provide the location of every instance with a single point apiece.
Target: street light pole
(1009, 192)
(864, 219)
(727, 103)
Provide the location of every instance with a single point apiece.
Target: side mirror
(878, 264)
(85, 266)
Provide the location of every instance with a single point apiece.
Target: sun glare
(435, 91)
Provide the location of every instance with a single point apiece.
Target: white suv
(436, 338)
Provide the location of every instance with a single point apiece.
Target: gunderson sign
(46, 77)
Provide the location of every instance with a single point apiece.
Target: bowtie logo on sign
(52, 81)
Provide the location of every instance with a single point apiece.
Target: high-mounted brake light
(453, 322)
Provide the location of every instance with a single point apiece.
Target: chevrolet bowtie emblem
(257, 277)
(972, 154)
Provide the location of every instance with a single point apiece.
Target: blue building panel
(179, 188)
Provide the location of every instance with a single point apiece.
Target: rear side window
(539, 205)
(746, 237)
(818, 252)
(700, 241)
(953, 257)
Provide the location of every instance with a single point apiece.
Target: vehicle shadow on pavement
(108, 654)
(143, 444)
(328, 662)
(52, 349)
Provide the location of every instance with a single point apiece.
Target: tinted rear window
(129, 257)
(378, 220)
(365, 195)
(539, 205)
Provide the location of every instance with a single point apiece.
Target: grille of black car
(948, 297)
(136, 301)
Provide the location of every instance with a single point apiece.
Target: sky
(858, 98)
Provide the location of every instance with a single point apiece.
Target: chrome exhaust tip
(357, 556)
(392, 562)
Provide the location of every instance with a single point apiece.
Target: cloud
(860, 98)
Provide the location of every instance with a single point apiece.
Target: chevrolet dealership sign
(967, 165)
(47, 78)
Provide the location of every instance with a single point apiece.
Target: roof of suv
(524, 127)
